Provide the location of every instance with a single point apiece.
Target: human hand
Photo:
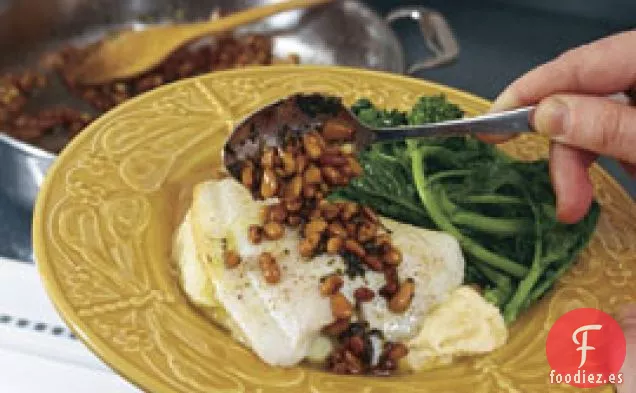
(573, 110)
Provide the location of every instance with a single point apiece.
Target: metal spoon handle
(509, 122)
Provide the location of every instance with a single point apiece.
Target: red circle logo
(585, 348)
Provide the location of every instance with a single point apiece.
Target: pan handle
(437, 33)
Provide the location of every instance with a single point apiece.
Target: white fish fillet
(280, 322)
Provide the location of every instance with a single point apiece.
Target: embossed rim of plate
(46, 269)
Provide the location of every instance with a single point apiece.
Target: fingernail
(551, 117)
(506, 100)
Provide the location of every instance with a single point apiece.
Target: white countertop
(37, 351)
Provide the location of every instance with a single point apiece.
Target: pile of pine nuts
(301, 174)
(19, 88)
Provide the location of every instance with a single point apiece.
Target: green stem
(546, 284)
(438, 217)
(491, 274)
(570, 257)
(492, 225)
(539, 265)
(494, 199)
(447, 174)
(386, 156)
(503, 285)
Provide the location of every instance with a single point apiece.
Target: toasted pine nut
(247, 175)
(355, 248)
(323, 204)
(352, 229)
(369, 214)
(232, 259)
(306, 248)
(336, 328)
(346, 171)
(336, 229)
(350, 209)
(255, 234)
(264, 216)
(273, 230)
(397, 351)
(382, 239)
(309, 191)
(313, 152)
(337, 130)
(268, 158)
(341, 307)
(317, 225)
(391, 275)
(269, 185)
(391, 286)
(329, 210)
(293, 205)
(347, 148)
(373, 262)
(333, 160)
(334, 245)
(344, 179)
(331, 174)
(330, 285)
(294, 187)
(289, 164)
(356, 169)
(312, 175)
(269, 267)
(301, 163)
(313, 145)
(367, 231)
(401, 301)
(392, 257)
(363, 294)
(277, 213)
(331, 150)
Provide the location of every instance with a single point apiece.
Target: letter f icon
(584, 347)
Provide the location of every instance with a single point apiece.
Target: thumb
(628, 323)
(590, 123)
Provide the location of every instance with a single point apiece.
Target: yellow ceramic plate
(105, 216)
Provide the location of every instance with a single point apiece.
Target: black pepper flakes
(354, 265)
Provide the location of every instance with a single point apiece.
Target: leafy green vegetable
(368, 114)
(433, 109)
(501, 211)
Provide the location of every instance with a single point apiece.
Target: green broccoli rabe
(433, 109)
(426, 110)
(373, 117)
(501, 211)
